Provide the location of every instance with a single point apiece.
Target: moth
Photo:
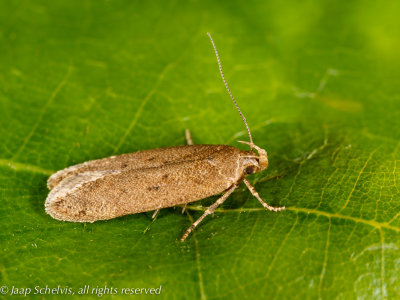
(149, 180)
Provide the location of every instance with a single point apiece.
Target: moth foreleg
(255, 194)
(209, 210)
(188, 137)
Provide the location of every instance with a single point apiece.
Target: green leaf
(319, 85)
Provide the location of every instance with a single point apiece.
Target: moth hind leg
(153, 219)
(209, 211)
(155, 214)
(188, 137)
(255, 194)
(189, 142)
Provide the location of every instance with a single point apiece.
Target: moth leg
(188, 137)
(155, 213)
(153, 219)
(184, 208)
(255, 194)
(189, 142)
(209, 210)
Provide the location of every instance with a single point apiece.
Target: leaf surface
(319, 85)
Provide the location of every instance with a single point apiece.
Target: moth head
(254, 162)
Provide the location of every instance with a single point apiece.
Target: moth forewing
(152, 158)
(99, 191)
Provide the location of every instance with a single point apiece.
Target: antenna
(229, 91)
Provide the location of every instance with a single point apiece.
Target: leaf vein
(142, 105)
(383, 288)
(196, 247)
(358, 178)
(372, 223)
(321, 277)
(24, 167)
(42, 112)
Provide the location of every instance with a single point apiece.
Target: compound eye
(250, 170)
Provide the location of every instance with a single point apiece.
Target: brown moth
(153, 179)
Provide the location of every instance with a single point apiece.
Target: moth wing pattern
(100, 194)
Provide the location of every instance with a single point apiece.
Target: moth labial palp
(152, 179)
